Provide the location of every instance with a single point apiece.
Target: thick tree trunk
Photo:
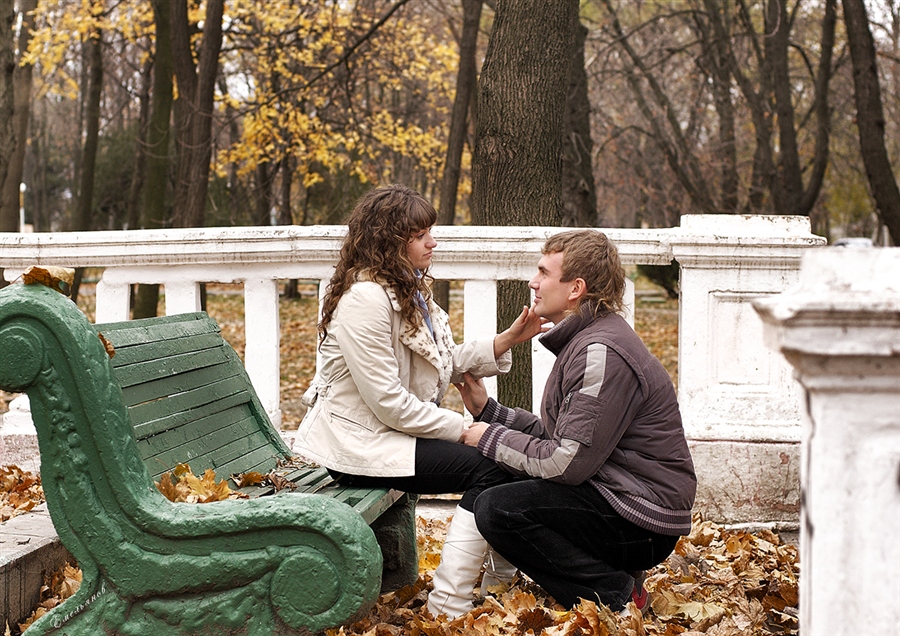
(517, 164)
(517, 167)
(870, 117)
(579, 196)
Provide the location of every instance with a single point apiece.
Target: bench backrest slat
(169, 367)
(189, 397)
(184, 401)
(176, 445)
(143, 430)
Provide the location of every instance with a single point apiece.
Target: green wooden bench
(295, 562)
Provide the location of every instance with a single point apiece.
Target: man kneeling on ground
(616, 480)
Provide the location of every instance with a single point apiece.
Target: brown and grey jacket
(609, 417)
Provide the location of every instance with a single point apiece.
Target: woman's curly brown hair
(378, 233)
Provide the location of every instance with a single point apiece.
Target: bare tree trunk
(517, 165)
(9, 217)
(194, 110)
(466, 79)
(870, 117)
(153, 212)
(140, 145)
(84, 217)
(822, 110)
(265, 177)
(579, 196)
(716, 59)
(777, 39)
(22, 81)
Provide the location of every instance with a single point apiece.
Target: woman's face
(419, 249)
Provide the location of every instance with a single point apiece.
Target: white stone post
(739, 404)
(482, 322)
(262, 332)
(840, 329)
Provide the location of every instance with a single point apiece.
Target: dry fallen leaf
(58, 586)
(57, 278)
(20, 491)
(182, 486)
(110, 349)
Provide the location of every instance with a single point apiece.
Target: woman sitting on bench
(387, 357)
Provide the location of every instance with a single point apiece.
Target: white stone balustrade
(739, 403)
(840, 329)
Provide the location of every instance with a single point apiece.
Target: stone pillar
(840, 330)
(18, 439)
(262, 332)
(738, 401)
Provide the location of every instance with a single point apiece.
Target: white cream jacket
(378, 385)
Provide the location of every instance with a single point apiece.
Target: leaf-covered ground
(20, 492)
(718, 582)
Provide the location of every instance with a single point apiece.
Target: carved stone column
(840, 330)
(738, 401)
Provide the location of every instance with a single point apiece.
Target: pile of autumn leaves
(718, 582)
(20, 491)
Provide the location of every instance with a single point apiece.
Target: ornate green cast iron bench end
(175, 392)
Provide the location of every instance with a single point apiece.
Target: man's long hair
(591, 256)
(378, 233)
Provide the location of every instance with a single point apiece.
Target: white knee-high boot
(497, 570)
(461, 560)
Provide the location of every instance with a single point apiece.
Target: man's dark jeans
(569, 540)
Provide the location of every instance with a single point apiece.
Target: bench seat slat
(368, 502)
(308, 479)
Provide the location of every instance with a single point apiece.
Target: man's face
(552, 297)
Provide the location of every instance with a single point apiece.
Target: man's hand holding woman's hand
(475, 397)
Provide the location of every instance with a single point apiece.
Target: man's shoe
(641, 598)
